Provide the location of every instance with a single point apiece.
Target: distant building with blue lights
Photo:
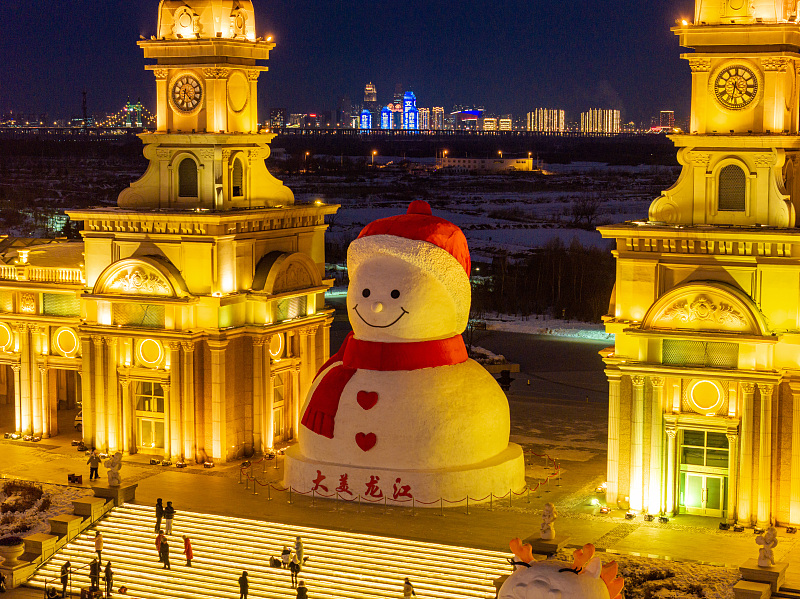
(365, 120)
(410, 112)
(386, 118)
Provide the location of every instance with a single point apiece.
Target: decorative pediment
(279, 272)
(705, 306)
(140, 276)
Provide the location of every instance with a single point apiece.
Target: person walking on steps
(302, 591)
(298, 549)
(408, 589)
(187, 550)
(294, 568)
(244, 585)
(169, 514)
(109, 579)
(94, 463)
(163, 554)
(94, 574)
(65, 577)
(286, 557)
(159, 539)
(159, 514)
(98, 545)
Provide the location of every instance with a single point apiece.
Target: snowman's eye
(395, 294)
(365, 293)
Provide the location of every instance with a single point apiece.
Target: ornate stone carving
(216, 73)
(173, 345)
(27, 303)
(671, 433)
(138, 281)
(161, 74)
(699, 65)
(703, 309)
(657, 381)
(97, 339)
(161, 153)
(637, 380)
(764, 160)
(253, 75)
(699, 158)
(259, 341)
(775, 64)
(766, 389)
(748, 388)
(188, 346)
(206, 154)
(292, 278)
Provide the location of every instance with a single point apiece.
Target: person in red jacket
(187, 550)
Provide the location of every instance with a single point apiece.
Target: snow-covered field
(56, 500)
(546, 326)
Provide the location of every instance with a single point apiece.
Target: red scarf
(355, 354)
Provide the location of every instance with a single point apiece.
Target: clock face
(187, 93)
(735, 87)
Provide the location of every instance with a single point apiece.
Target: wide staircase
(340, 565)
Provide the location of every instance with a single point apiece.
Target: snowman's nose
(377, 307)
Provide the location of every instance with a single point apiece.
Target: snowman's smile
(380, 326)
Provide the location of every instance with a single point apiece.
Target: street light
(306, 160)
(500, 152)
(373, 156)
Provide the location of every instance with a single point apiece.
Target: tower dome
(744, 11)
(205, 19)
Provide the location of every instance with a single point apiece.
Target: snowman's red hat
(428, 242)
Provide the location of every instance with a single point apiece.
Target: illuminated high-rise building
(424, 118)
(437, 118)
(370, 93)
(365, 120)
(490, 123)
(410, 112)
(386, 117)
(546, 120)
(598, 120)
(667, 119)
(505, 123)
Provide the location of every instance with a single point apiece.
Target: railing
(246, 475)
(42, 274)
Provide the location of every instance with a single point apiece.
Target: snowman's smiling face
(391, 300)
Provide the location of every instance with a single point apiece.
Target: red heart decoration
(366, 441)
(367, 399)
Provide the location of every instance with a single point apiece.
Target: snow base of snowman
(423, 488)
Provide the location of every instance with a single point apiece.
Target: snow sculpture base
(497, 475)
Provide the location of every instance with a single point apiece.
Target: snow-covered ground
(546, 326)
(60, 499)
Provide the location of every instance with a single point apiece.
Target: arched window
(238, 178)
(732, 181)
(187, 178)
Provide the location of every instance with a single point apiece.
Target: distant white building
(437, 118)
(487, 164)
(504, 123)
(598, 120)
(489, 123)
(424, 118)
(547, 120)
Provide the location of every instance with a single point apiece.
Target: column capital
(16, 367)
(747, 387)
(188, 346)
(42, 368)
(310, 330)
(657, 381)
(124, 381)
(297, 368)
(173, 345)
(261, 340)
(637, 380)
(732, 438)
(165, 386)
(97, 339)
(766, 388)
(217, 344)
(20, 327)
(671, 433)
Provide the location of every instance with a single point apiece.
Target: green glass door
(702, 494)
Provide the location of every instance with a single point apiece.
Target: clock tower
(704, 374)
(206, 152)
(740, 155)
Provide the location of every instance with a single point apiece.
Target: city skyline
(548, 54)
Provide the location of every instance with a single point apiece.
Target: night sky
(510, 56)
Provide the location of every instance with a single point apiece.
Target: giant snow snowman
(400, 413)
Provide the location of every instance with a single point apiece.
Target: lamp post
(444, 155)
(306, 160)
(373, 157)
(500, 153)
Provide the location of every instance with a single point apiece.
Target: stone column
(269, 408)
(165, 389)
(176, 411)
(18, 413)
(765, 457)
(219, 421)
(127, 443)
(99, 387)
(612, 474)
(733, 479)
(30, 410)
(744, 510)
(669, 504)
(308, 344)
(296, 402)
(794, 496)
(259, 418)
(48, 427)
(655, 490)
(189, 412)
(37, 393)
(87, 381)
(113, 412)
(326, 341)
(637, 441)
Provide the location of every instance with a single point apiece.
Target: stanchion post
(510, 494)
(313, 497)
(240, 475)
(413, 506)
(491, 501)
(269, 491)
(247, 483)
(337, 501)
(290, 493)
(359, 502)
(276, 460)
(441, 506)
(467, 504)
(529, 494)
(255, 490)
(264, 465)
